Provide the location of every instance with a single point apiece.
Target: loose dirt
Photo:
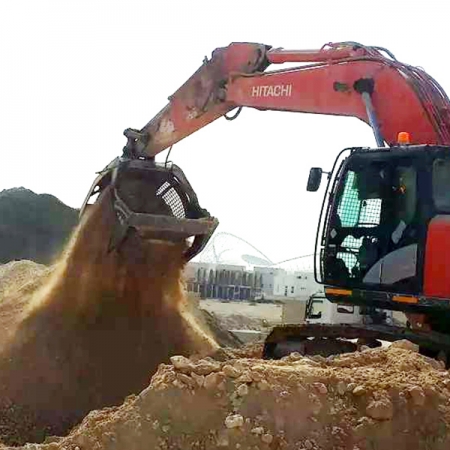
(375, 399)
(243, 315)
(17, 274)
(95, 332)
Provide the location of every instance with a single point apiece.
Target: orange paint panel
(437, 258)
(405, 299)
(335, 291)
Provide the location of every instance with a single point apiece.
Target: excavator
(383, 236)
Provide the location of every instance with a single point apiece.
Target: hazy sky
(75, 73)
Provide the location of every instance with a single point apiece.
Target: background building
(230, 268)
(279, 283)
(223, 281)
(234, 282)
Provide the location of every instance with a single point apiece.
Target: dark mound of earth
(33, 226)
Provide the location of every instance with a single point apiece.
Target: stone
(242, 390)
(308, 362)
(231, 371)
(204, 367)
(181, 362)
(359, 391)
(168, 377)
(245, 378)
(417, 395)
(267, 438)
(257, 430)
(341, 388)
(186, 379)
(380, 409)
(234, 421)
(199, 379)
(406, 345)
(212, 380)
(319, 358)
(320, 388)
(295, 356)
(256, 373)
(434, 363)
(178, 384)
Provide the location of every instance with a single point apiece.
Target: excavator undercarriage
(326, 340)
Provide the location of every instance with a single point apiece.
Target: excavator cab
(382, 243)
(156, 201)
(380, 237)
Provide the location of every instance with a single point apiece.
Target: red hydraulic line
(280, 56)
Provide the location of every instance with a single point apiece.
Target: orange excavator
(383, 238)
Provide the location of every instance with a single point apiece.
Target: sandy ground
(372, 400)
(243, 315)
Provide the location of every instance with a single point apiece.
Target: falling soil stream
(95, 333)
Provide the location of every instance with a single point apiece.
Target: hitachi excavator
(383, 238)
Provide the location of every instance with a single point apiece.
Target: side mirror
(314, 179)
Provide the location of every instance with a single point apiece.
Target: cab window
(441, 184)
(356, 211)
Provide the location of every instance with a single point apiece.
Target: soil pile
(95, 332)
(375, 399)
(16, 274)
(239, 322)
(33, 226)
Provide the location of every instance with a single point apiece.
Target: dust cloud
(96, 332)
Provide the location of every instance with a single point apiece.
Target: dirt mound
(239, 322)
(376, 399)
(16, 274)
(33, 226)
(220, 333)
(95, 332)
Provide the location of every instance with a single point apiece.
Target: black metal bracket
(136, 143)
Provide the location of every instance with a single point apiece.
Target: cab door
(437, 248)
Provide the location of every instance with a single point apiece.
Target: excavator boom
(344, 79)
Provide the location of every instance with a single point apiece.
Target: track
(296, 336)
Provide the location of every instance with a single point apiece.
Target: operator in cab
(398, 264)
